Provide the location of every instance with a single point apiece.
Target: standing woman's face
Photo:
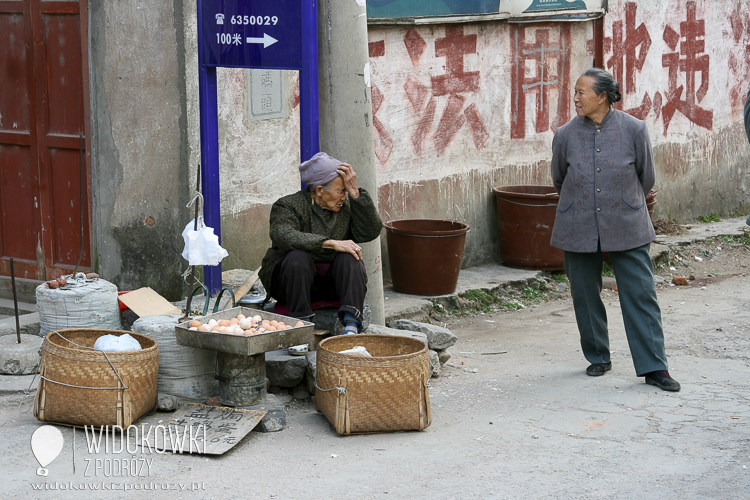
(587, 102)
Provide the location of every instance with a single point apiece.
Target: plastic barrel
(525, 217)
(425, 255)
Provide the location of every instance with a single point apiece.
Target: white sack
(186, 374)
(94, 305)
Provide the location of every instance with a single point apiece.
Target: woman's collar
(607, 117)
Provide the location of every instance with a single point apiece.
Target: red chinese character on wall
(383, 139)
(689, 60)
(549, 60)
(456, 80)
(629, 46)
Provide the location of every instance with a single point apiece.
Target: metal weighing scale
(241, 360)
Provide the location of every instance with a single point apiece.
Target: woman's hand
(350, 179)
(346, 246)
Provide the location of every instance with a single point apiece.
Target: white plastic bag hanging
(202, 246)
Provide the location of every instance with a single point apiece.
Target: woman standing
(602, 167)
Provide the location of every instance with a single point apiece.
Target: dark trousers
(296, 283)
(640, 309)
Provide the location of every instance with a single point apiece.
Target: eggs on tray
(242, 325)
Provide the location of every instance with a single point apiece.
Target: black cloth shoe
(662, 380)
(598, 369)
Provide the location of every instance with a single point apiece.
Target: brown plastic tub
(525, 216)
(425, 255)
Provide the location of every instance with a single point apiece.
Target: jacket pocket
(636, 205)
(632, 191)
(564, 209)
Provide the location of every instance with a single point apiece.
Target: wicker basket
(385, 393)
(82, 386)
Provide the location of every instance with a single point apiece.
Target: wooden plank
(65, 141)
(11, 7)
(15, 138)
(57, 7)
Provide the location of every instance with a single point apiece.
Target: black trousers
(296, 283)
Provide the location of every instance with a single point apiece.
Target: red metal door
(43, 110)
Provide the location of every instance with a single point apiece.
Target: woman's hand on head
(350, 179)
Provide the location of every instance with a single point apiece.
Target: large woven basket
(81, 386)
(385, 393)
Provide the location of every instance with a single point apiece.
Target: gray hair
(604, 82)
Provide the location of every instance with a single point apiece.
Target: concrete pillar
(346, 113)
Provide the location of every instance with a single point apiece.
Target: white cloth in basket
(357, 351)
(113, 343)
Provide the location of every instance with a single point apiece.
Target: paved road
(514, 417)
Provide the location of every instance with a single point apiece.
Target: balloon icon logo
(46, 443)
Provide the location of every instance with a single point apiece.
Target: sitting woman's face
(332, 198)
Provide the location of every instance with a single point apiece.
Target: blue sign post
(272, 34)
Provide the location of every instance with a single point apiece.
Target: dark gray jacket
(603, 175)
(747, 116)
(296, 225)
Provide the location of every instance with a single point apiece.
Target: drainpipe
(599, 43)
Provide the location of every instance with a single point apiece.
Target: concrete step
(25, 289)
(29, 324)
(18, 384)
(7, 307)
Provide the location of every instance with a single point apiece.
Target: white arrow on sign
(266, 40)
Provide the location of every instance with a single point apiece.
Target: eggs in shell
(242, 325)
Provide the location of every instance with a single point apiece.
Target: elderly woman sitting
(315, 236)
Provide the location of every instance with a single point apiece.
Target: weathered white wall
(443, 100)
(694, 112)
(460, 108)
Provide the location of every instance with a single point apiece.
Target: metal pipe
(192, 271)
(15, 299)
